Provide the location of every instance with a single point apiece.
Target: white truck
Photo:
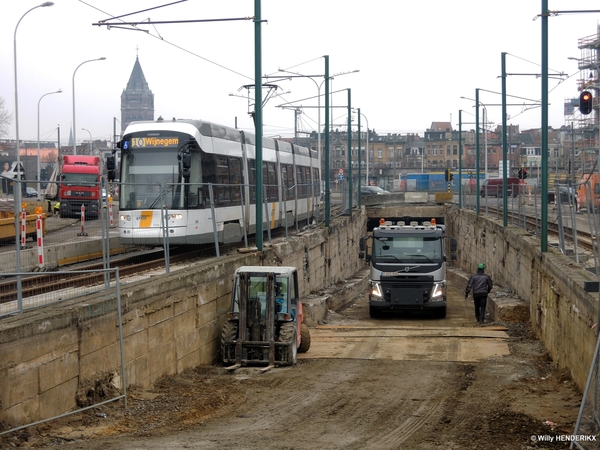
(408, 267)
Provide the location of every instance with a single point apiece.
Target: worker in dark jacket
(481, 283)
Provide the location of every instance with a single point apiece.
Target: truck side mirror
(361, 244)
(453, 244)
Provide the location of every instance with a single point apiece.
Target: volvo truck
(408, 267)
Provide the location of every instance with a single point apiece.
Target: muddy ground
(499, 402)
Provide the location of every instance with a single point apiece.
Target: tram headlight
(125, 217)
(175, 216)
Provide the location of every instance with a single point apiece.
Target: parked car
(373, 190)
(564, 193)
(30, 192)
(492, 187)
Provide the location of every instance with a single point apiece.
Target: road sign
(341, 171)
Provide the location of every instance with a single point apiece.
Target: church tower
(137, 100)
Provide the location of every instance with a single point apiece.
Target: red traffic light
(585, 102)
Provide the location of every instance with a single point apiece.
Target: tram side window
(285, 182)
(300, 182)
(270, 181)
(252, 180)
(222, 192)
(209, 175)
(291, 189)
(308, 181)
(235, 178)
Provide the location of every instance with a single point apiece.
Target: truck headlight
(375, 290)
(437, 294)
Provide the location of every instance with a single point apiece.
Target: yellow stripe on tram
(272, 215)
(146, 219)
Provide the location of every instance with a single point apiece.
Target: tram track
(88, 274)
(585, 239)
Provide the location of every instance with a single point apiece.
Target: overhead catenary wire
(160, 38)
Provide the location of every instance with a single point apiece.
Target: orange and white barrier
(83, 233)
(23, 228)
(110, 210)
(40, 241)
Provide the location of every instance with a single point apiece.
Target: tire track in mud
(412, 424)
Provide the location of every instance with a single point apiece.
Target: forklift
(265, 323)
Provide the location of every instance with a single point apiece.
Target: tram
(191, 181)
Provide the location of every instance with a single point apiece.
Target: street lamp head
(46, 4)
(102, 59)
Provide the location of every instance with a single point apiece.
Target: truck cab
(80, 178)
(408, 267)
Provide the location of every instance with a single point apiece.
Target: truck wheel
(228, 336)
(441, 313)
(304, 339)
(374, 312)
(287, 333)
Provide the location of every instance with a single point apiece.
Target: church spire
(137, 100)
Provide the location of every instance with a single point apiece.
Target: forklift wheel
(304, 339)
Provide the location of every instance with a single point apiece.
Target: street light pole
(318, 112)
(485, 118)
(367, 146)
(74, 126)
(17, 193)
(17, 99)
(38, 140)
(297, 74)
(90, 139)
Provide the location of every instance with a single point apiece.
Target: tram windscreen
(150, 177)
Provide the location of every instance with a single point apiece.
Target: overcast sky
(416, 60)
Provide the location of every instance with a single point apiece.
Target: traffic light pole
(544, 123)
(477, 203)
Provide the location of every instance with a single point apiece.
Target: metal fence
(27, 248)
(37, 236)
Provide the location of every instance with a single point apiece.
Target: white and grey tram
(193, 181)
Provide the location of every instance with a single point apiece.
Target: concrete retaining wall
(170, 323)
(173, 322)
(562, 314)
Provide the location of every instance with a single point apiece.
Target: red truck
(80, 186)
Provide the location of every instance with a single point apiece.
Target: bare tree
(5, 119)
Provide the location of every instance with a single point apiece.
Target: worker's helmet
(481, 266)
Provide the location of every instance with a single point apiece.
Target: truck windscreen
(408, 249)
(80, 178)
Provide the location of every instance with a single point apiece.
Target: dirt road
(407, 381)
